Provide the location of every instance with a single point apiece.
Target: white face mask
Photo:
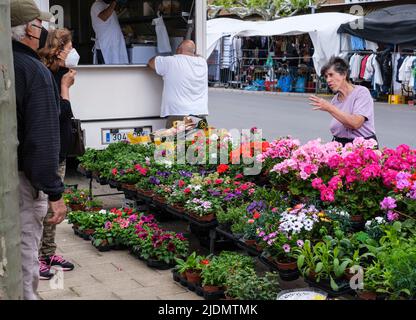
(72, 59)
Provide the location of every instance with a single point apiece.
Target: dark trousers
(344, 141)
(100, 57)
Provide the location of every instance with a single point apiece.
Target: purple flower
(286, 248)
(392, 216)
(229, 197)
(256, 205)
(163, 174)
(186, 174)
(402, 180)
(300, 243)
(154, 180)
(108, 225)
(133, 218)
(214, 193)
(388, 203)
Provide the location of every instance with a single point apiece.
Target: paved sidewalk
(113, 275)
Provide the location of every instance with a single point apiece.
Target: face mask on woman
(72, 59)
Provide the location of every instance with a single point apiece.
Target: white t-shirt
(185, 89)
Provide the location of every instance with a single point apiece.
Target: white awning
(322, 28)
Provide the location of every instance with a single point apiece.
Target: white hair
(19, 32)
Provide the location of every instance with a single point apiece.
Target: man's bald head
(187, 47)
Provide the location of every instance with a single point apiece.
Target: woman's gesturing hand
(320, 103)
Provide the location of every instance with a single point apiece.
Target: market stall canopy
(393, 25)
(322, 28)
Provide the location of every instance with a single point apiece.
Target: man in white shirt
(110, 46)
(185, 78)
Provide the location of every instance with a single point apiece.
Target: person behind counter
(185, 78)
(352, 108)
(110, 46)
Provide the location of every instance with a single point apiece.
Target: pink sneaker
(44, 271)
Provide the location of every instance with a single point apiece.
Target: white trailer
(112, 100)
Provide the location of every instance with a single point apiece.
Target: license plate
(114, 135)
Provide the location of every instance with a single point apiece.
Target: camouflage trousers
(48, 245)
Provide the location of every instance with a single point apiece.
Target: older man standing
(37, 102)
(185, 78)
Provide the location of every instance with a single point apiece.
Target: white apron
(109, 39)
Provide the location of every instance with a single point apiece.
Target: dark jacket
(37, 103)
(64, 118)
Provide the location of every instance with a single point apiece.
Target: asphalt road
(280, 115)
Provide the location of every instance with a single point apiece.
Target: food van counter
(99, 66)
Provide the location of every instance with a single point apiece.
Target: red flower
(205, 262)
(256, 215)
(222, 168)
(187, 190)
(208, 182)
(237, 183)
(226, 190)
(114, 171)
(244, 187)
(239, 176)
(218, 181)
(181, 183)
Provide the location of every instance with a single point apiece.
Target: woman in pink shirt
(352, 107)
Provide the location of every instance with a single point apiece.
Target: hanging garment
(378, 77)
(109, 38)
(413, 75)
(227, 53)
(163, 43)
(369, 45)
(399, 64)
(214, 63)
(401, 73)
(356, 66)
(363, 66)
(384, 59)
(369, 69)
(357, 43)
(300, 84)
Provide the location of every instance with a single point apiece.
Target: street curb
(287, 94)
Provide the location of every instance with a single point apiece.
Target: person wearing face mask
(37, 109)
(110, 45)
(59, 56)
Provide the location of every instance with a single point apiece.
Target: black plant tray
(114, 184)
(249, 249)
(160, 265)
(103, 248)
(216, 295)
(130, 195)
(184, 216)
(142, 196)
(226, 234)
(344, 287)
(84, 172)
(103, 181)
(191, 286)
(158, 204)
(120, 247)
(285, 275)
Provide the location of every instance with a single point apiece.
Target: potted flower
(192, 267)
(94, 205)
(76, 199)
(247, 285)
(102, 239)
(293, 227)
